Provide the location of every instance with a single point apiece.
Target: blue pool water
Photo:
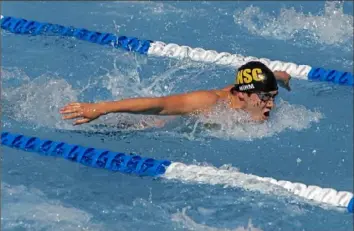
(309, 138)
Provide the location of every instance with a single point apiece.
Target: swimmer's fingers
(72, 116)
(81, 121)
(74, 104)
(70, 109)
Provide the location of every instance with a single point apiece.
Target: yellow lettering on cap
(255, 74)
(247, 77)
(239, 79)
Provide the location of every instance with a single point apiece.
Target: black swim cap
(254, 76)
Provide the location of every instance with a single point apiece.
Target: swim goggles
(264, 96)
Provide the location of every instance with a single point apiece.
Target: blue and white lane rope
(134, 164)
(161, 49)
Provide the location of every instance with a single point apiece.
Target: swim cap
(254, 76)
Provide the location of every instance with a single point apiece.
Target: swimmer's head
(256, 87)
(255, 76)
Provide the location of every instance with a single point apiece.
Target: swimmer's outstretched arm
(169, 105)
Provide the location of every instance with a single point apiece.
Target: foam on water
(329, 27)
(30, 209)
(232, 125)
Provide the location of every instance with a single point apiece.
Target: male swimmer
(253, 92)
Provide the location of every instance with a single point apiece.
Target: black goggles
(264, 96)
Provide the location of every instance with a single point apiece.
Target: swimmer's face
(259, 104)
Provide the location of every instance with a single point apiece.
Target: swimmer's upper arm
(188, 102)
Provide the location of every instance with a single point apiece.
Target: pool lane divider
(137, 165)
(171, 50)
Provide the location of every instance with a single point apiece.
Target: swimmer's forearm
(151, 106)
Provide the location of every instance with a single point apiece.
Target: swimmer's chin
(259, 119)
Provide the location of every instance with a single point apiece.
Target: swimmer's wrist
(103, 108)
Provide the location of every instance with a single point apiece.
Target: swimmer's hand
(283, 79)
(85, 111)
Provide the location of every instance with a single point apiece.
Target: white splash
(36, 101)
(229, 124)
(331, 27)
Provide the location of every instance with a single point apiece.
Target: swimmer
(254, 91)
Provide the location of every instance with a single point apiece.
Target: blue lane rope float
(23, 26)
(114, 161)
(134, 164)
(157, 48)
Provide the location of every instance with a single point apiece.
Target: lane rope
(161, 49)
(135, 164)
